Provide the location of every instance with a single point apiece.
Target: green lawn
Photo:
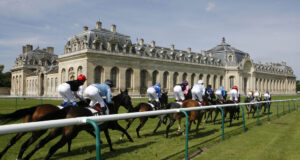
(157, 146)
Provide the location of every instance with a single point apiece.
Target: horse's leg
(116, 126)
(216, 115)
(70, 132)
(35, 135)
(172, 120)
(143, 120)
(53, 134)
(12, 142)
(128, 125)
(158, 124)
(179, 126)
(108, 139)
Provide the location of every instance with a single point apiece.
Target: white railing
(33, 126)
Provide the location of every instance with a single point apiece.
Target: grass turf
(149, 146)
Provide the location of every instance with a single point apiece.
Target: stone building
(102, 54)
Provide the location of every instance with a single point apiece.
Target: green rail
(186, 134)
(222, 113)
(98, 145)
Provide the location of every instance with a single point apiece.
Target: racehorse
(193, 115)
(70, 132)
(32, 114)
(143, 107)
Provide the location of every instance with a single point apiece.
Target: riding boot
(74, 104)
(64, 104)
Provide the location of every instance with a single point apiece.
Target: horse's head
(123, 99)
(164, 99)
(189, 94)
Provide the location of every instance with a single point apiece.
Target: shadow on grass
(92, 148)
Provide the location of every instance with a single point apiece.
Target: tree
(4, 77)
(298, 85)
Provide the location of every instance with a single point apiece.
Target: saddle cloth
(152, 105)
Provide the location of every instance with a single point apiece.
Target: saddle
(155, 105)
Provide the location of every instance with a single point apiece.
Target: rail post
(223, 138)
(283, 108)
(97, 130)
(268, 105)
(257, 111)
(244, 125)
(277, 109)
(186, 134)
(289, 106)
(16, 103)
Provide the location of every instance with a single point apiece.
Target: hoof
(121, 138)
(178, 132)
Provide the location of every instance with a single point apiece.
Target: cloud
(210, 6)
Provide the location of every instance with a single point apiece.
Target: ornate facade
(106, 54)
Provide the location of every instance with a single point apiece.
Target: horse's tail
(59, 114)
(21, 113)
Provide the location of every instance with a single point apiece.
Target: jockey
(257, 95)
(155, 93)
(250, 94)
(209, 91)
(178, 90)
(220, 92)
(197, 91)
(71, 90)
(267, 96)
(234, 94)
(96, 91)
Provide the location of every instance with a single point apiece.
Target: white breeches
(196, 94)
(234, 95)
(178, 93)
(152, 94)
(92, 93)
(219, 94)
(64, 90)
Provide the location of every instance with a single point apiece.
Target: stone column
(136, 81)
(170, 88)
(122, 81)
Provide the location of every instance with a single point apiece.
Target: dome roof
(228, 54)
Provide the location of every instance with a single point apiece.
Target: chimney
(50, 50)
(98, 25)
(113, 28)
(85, 28)
(172, 47)
(153, 44)
(141, 41)
(28, 48)
(23, 49)
(189, 50)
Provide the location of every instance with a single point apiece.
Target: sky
(269, 30)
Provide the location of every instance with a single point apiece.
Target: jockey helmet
(108, 82)
(267, 92)
(235, 87)
(157, 84)
(81, 77)
(185, 82)
(200, 81)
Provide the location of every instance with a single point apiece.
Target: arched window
(221, 81)
(144, 80)
(214, 82)
(192, 79)
(201, 76)
(71, 74)
(97, 74)
(231, 81)
(128, 75)
(154, 77)
(165, 82)
(175, 77)
(63, 75)
(114, 76)
(79, 70)
(184, 76)
(207, 80)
